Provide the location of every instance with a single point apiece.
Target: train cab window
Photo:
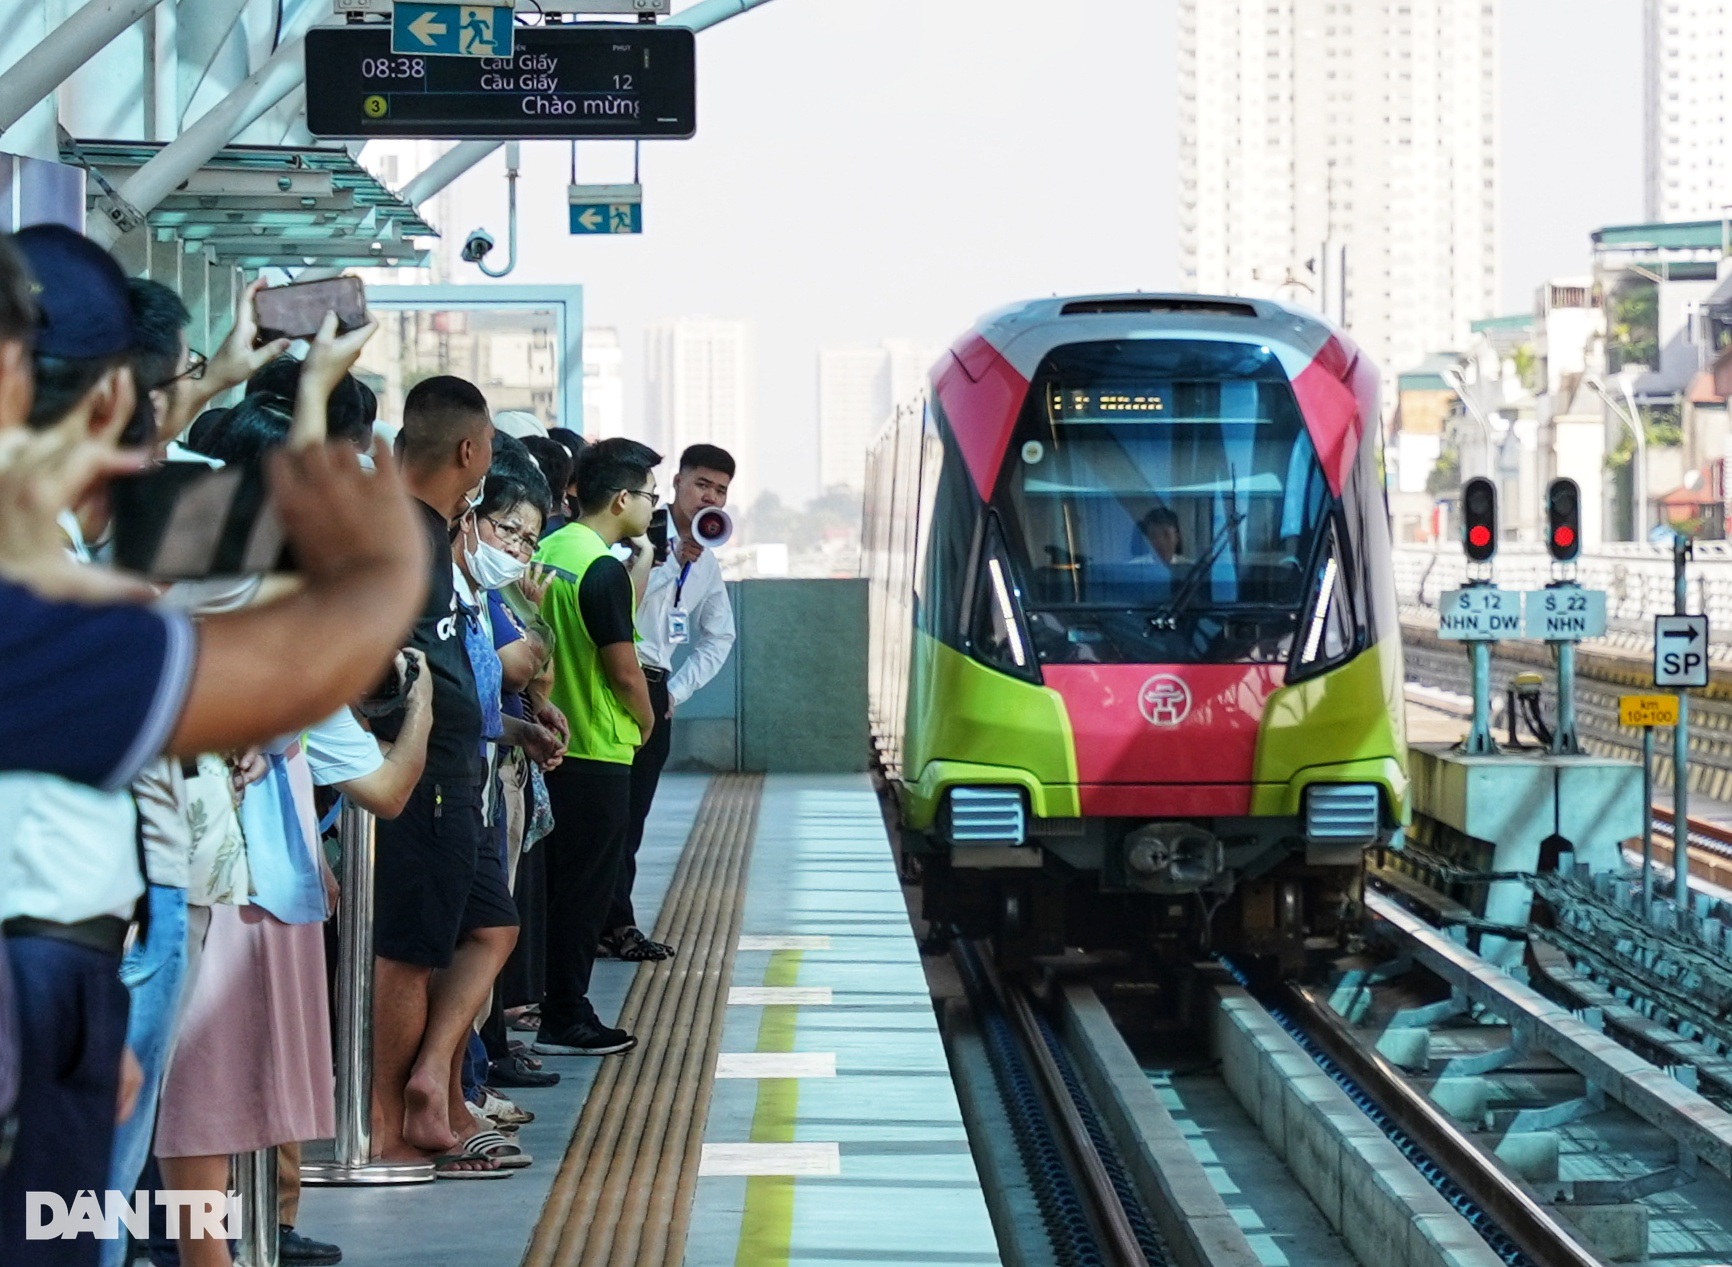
(1163, 502)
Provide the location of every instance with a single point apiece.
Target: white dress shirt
(709, 621)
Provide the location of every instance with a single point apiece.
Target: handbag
(217, 874)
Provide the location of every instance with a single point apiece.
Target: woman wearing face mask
(494, 544)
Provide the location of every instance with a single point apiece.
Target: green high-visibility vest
(601, 728)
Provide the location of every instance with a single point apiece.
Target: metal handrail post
(353, 1161)
(256, 1184)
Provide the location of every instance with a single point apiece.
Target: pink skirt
(251, 1066)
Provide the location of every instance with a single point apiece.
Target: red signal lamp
(1564, 538)
(1479, 535)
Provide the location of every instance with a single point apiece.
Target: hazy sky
(873, 168)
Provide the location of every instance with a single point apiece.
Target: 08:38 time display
(394, 67)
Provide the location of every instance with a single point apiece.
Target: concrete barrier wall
(1369, 1192)
(792, 697)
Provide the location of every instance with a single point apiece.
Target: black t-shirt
(454, 744)
(604, 602)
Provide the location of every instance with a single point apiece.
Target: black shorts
(437, 875)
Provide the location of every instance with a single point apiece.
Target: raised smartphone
(296, 311)
(185, 521)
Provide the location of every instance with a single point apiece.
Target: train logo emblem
(1164, 700)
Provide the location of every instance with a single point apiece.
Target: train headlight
(998, 633)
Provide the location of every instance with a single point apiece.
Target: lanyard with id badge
(679, 624)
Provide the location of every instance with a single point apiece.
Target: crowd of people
(472, 638)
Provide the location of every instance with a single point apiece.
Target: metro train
(1136, 676)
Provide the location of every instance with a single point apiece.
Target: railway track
(1394, 1181)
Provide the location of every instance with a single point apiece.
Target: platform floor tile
(824, 910)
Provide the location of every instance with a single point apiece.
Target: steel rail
(1540, 1236)
(1115, 1223)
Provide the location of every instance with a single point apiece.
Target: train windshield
(1165, 499)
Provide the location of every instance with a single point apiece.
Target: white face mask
(491, 567)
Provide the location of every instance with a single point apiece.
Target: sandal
(503, 1112)
(633, 947)
(469, 1163)
(500, 1149)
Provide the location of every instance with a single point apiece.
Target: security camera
(476, 246)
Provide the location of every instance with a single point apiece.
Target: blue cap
(84, 310)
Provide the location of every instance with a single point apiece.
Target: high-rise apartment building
(698, 388)
(1687, 107)
(603, 383)
(853, 402)
(857, 389)
(1313, 131)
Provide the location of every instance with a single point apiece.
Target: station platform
(797, 1109)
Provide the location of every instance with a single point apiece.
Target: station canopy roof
(258, 206)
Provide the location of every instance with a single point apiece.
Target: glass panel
(1164, 499)
(511, 354)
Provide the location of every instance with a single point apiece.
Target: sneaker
(303, 1251)
(586, 1038)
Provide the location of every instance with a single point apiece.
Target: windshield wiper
(1194, 577)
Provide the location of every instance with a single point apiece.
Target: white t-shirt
(340, 749)
(68, 853)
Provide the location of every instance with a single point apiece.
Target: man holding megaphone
(684, 604)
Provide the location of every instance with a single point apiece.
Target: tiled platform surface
(834, 1135)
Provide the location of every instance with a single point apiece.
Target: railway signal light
(1479, 519)
(1564, 520)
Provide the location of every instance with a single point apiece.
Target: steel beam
(282, 72)
(67, 47)
(445, 169)
(706, 13)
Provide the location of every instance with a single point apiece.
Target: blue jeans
(71, 1030)
(152, 973)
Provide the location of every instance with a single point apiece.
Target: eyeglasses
(196, 364)
(513, 534)
(654, 495)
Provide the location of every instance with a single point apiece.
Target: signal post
(1513, 811)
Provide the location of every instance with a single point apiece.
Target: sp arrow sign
(1681, 651)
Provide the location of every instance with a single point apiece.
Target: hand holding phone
(298, 310)
(41, 474)
(328, 360)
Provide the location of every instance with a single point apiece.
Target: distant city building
(1688, 109)
(857, 388)
(1365, 130)
(853, 401)
(603, 383)
(699, 387)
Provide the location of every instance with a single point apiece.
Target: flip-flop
(500, 1149)
(455, 1166)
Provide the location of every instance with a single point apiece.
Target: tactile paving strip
(623, 1195)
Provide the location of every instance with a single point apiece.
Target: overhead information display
(577, 82)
